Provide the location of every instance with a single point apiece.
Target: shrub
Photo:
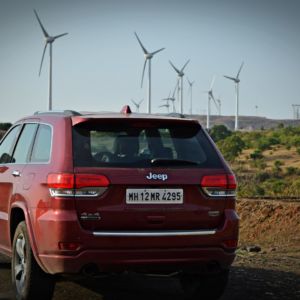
(256, 154)
(291, 171)
(5, 126)
(262, 176)
(231, 147)
(219, 132)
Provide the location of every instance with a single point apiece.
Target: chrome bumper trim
(167, 233)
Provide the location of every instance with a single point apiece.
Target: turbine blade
(143, 72)
(238, 74)
(216, 105)
(141, 102)
(212, 82)
(134, 103)
(176, 86)
(176, 70)
(228, 77)
(60, 35)
(42, 58)
(142, 46)
(41, 25)
(185, 65)
(153, 53)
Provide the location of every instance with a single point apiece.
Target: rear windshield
(142, 145)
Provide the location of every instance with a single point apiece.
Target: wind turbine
(48, 41)
(167, 105)
(180, 78)
(237, 83)
(137, 104)
(148, 56)
(191, 93)
(210, 96)
(172, 98)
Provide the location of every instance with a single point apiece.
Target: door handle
(16, 173)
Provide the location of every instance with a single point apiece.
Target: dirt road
(254, 276)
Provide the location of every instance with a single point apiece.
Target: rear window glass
(137, 145)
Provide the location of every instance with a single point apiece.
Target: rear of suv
(104, 193)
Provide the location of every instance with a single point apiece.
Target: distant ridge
(245, 122)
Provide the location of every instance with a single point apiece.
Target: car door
(14, 151)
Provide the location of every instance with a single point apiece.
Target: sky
(98, 65)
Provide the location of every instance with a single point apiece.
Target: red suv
(104, 193)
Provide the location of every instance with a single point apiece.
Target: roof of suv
(79, 117)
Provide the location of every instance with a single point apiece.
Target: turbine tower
(48, 41)
(172, 98)
(180, 79)
(218, 101)
(296, 111)
(210, 96)
(148, 56)
(191, 94)
(137, 104)
(237, 84)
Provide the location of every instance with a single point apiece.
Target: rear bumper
(135, 260)
(119, 251)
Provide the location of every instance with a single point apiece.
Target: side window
(24, 144)
(42, 145)
(7, 144)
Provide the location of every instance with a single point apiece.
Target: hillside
(246, 122)
(266, 162)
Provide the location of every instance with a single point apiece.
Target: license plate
(154, 196)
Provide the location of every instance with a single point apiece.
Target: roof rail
(58, 112)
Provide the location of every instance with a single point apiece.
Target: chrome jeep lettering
(153, 176)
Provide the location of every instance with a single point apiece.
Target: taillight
(78, 185)
(222, 185)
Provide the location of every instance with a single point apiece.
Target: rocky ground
(267, 264)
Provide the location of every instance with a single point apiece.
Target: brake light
(78, 185)
(61, 181)
(88, 180)
(222, 185)
(126, 110)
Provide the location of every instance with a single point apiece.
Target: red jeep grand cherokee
(103, 193)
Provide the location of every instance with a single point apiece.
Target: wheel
(206, 287)
(28, 279)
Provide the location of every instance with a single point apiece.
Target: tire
(206, 287)
(29, 281)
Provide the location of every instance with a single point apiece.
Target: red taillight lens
(78, 185)
(60, 181)
(89, 180)
(214, 181)
(221, 185)
(231, 182)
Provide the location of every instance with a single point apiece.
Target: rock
(253, 248)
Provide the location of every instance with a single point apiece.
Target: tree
(219, 132)
(231, 147)
(5, 126)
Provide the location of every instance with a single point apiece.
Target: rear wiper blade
(172, 162)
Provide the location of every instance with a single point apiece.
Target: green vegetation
(266, 162)
(5, 126)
